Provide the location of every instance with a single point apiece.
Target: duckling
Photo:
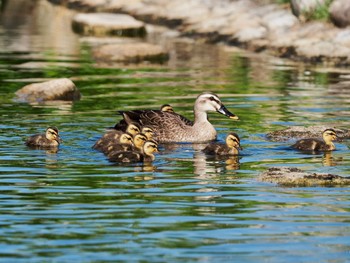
(139, 141)
(148, 131)
(172, 127)
(131, 127)
(147, 155)
(110, 136)
(312, 144)
(167, 108)
(230, 148)
(49, 139)
(123, 143)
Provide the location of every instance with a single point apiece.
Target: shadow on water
(75, 205)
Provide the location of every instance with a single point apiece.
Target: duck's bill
(227, 113)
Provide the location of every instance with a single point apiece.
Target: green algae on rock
(291, 176)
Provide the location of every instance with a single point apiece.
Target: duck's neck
(200, 117)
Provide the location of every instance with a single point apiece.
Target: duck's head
(233, 141)
(167, 108)
(52, 134)
(329, 135)
(126, 138)
(133, 128)
(148, 131)
(139, 140)
(150, 147)
(208, 101)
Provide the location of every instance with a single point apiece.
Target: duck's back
(125, 156)
(116, 147)
(217, 149)
(40, 140)
(107, 139)
(311, 144)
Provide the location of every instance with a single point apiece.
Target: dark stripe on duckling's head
(133, 128)
(167, 108)
(236, 142)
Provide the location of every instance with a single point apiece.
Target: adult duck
(171, 127)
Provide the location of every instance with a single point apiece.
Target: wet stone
(57, 89)
(100, 24)
(132, 53)
(291, 176)
(300, 132)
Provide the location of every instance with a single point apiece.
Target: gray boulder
(291, 176)
(340, 12)
(100, 24)
(57, 89)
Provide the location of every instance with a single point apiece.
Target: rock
(132, 52)
(57, 89)
(300, 132)
(100, 24)
(290, 176)
(340, 12)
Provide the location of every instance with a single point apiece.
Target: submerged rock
(57, 89)
(132, 52)
(290, 176)
(300, 132)
(108, 24)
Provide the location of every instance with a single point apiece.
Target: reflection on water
(75, 205)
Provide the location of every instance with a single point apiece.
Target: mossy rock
(291, 176)
(300, 132)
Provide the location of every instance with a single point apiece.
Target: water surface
(75, 205)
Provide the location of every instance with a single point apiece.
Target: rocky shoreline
(257, 26)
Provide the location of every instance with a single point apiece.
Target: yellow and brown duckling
(148, 131)
(231, 147)
(312, 144)
(147, 155)
(50, 138)
(111, 137)
(131, 127)
(167, 108)
(139, 140)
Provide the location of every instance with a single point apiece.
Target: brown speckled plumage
(51, 138)
(146, 155)
(171, 127)
(112, 138)
(317, 145)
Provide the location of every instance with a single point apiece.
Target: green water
(74, 205)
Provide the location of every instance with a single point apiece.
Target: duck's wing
(311, 144)
(155, 118)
